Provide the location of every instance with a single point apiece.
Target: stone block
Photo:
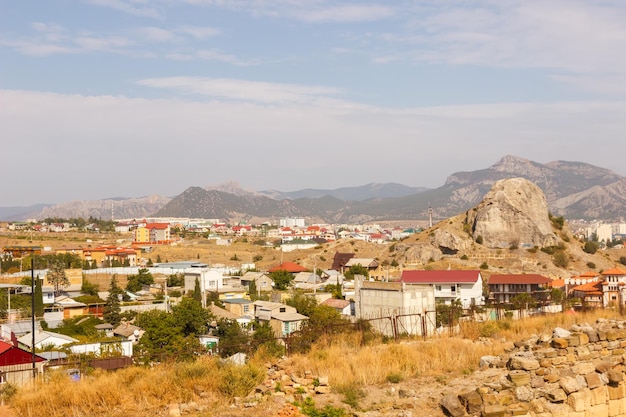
(570, 385)
(616, 408)
(617, 392)
(519, 378)
(559, 343)
(615, 377)
(494, 411)
(453, 406)
(593, 380)
(579, 401)
(600, 410)
(556, 395)
(573, 340)
(472, 401)
(583, 368)
(523, 363)
(600, 395)
(584, 338)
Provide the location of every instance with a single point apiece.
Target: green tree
(88, 288)
(190, 317)
(233, 338)
(357, 269)
(264, 337)
(136, 282)
(38, 298)
(252, 291)
(162, 337)
(112, 308)
(57, 277)
(281, 279)
(591, 247)
(448, 314)
(523, 301)
(197, 292)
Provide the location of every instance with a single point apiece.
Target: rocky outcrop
(513, 213)
(571, 373)
(448, 242)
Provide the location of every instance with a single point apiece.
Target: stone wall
(572, 373)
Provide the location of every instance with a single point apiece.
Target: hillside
(574, 190)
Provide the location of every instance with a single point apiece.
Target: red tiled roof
(289, 267)
(589, 288)
(614, 271)
(444, 276)
(160, 226)
(589, 274)
(557, 283)
(518, 279)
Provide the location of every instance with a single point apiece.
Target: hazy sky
(105, 98)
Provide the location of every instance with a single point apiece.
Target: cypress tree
(38, 298)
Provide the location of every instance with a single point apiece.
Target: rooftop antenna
(430, 216)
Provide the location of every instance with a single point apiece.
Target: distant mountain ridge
(575, 190)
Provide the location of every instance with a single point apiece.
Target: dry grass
(136, 391)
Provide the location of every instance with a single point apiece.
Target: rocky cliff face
(513, 213)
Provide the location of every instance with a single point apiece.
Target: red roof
(11, 355)
(589, 288)
(335, 303)
(444, 276)
(518, 279)
(289, 267)
(159, 226)
(614, 271)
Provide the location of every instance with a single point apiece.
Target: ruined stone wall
(572, 373)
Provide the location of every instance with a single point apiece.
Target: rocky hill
(574, 190)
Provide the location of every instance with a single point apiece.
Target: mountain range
(575, 190)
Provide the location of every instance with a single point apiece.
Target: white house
(465, 286)
(210, 280)
(44, 338)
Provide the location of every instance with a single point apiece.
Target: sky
(130, 98)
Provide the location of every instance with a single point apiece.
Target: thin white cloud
(199, 32)
(347, 13)
(155, 34)
(238, 139)
(242, 90)
(133, 7)
(217, 55)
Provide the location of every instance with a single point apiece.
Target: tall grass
(136, 391)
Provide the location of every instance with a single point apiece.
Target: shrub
(484, 265)
(622, 260)
(464, 257)
(561, 259)
(591, 247)
(591, 265)
(394, 378)
(479, 239)
(238, 381)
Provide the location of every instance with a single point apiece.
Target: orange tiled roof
(614, 271)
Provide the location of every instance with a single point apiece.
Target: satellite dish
(136, 332)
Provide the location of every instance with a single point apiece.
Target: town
(102, 304)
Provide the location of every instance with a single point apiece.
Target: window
(438, 287)
(282, 309)
(246, 308)
(453, 288)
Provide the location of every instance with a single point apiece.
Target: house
(45, 339)
(369, 263)
(614, 287)
(261, 281)
(291, 267)
(210, 280)
(283, 319)
(504, 287)
(307, 280)
(450, 285)
(590, 294)
(70, 307)
(153, 233)
(129, 332)
(344, 307)
(16, 364)
(240, 307)
(395, 308)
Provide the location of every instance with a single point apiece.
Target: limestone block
(583, 338)
(559, 343)
(583, 368)
(472, 402)
(583, 353)
(579, 401)
(522, 363)
(556, 395)
(615, 377)
(569, 384)
(593, 380)
(600, 395)
(616, 408)
(617, 392)
(600, 410)
(494, 411)
(519, 378)
(573, 340)
(524, 393)
(453, 406)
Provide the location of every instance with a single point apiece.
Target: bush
(561, 259)
(622, 260)
(464, 257)
(591, 247)
(484, 265)
(479, 239)
(238, 381)
(591, 265)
